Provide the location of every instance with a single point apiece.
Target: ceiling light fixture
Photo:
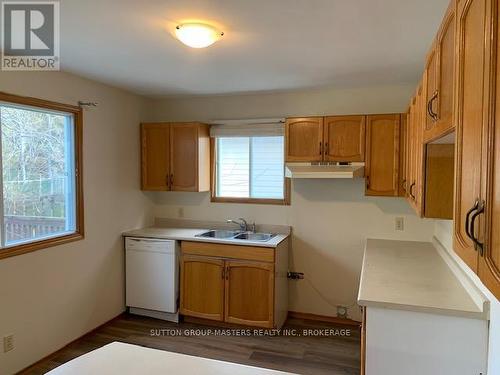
(197, 35)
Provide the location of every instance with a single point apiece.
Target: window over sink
(249, 165)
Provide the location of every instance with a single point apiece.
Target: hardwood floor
(311, 355)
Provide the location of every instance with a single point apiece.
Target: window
(40, 188)
(250, 169)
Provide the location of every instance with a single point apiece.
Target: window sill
(279, 202)
(29, 247)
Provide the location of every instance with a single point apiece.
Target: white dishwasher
(152, 277)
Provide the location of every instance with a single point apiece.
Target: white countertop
(407, 275)
(189, 234)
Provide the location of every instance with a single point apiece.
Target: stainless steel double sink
(236, 235)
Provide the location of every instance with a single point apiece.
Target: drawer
(261, 254)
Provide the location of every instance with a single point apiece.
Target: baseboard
(53, 354)
(322, 318)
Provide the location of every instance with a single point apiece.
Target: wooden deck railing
(26, 227)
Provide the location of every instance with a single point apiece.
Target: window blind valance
(247, 128)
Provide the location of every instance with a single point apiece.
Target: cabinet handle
(411, 190)
(223, 273)
(227, 273)
(171, 180)
(477, 245)
(321, 148)
(326, 148)
(467, 219)
(168, 181)
(431, 113)
(368, 181)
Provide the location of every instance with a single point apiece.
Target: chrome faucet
(241, 222)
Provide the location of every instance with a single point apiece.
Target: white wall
(50, 297)
(444, 233)
(379, 99)
(330, 218)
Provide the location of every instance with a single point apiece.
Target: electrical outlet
(400, 224)
(180, 212)
(8, 343)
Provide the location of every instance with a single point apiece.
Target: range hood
(324, 170)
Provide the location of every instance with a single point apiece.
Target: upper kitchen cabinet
(155, 163)
(439, 80)
(416, 185)
(317, 139)
(403, 150)
(190, 157)
(382, 154)
(486, 218)
(175, 157)
(473, 109)
(304, 139)
(344, 138)
(489, 262)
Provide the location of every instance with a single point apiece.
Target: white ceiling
(269, 45)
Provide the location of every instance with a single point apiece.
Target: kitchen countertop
(407, 275)
(189, 234)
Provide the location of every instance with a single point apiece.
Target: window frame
(286, 201)
(78, 234)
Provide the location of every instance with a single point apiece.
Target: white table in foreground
(128, 359)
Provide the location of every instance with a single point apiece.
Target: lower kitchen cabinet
(244, 285)
(249, 293)
(202, 287)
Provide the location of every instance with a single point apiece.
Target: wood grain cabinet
(428, 168)
(382, 154)
(477, 203)
(304, 139)
(202, 287)
(439, 80)
(249, 293)
(415, 155)
(175, 157)
(155, 146)
(333, 138)
(236, 284)
(472, 120)
(344, 138)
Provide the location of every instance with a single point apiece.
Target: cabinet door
(402, 155)
(344, 138)
(155, 156)
(410, 145)
(472, 101)
(418, 161)
(184, 156)
(489, 263)
(446, 78)
(431, 88)
(249, 293)
(202, 287)
(442, 64)
(382, 154)
(304, 139)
